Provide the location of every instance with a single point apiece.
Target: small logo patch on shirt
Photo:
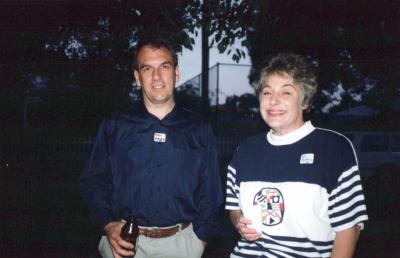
(307, 158)
(160, 137)
(270, 201)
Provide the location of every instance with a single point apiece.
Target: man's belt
(156, 232)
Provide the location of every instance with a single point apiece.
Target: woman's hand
(241, 224)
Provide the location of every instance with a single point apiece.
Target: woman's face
(281, 104)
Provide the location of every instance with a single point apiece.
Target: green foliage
(353, 43)
(227, 23)
(91, 45)
(188, 96)
(75, 109)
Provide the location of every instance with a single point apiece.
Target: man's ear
(136, 77)
(177, 74)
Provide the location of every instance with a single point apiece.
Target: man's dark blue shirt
(162, 171)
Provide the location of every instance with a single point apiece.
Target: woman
(295, 192)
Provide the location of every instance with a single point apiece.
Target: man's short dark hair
(155, 43)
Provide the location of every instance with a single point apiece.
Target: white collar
(291, 137)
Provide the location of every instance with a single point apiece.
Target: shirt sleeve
(95, 181)
(209, 193)
(346, 201)
(232, 189)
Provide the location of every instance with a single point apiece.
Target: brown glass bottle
(130, 231)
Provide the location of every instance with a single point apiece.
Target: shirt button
(159, 187)
(159, 165)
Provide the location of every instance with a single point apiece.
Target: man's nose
(156, 74)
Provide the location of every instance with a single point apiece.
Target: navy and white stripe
(232, 190)
(346, 202)
(321, 197)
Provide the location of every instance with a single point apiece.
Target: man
(157, 162)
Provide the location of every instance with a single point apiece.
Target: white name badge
(307, 158)
(160, 137)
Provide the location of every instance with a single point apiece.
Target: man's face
(156, 75)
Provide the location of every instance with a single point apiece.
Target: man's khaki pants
(184, 244)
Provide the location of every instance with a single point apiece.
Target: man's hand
(241, 223)
(119, 247)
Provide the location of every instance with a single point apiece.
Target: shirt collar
(144, 113)
(291, 137)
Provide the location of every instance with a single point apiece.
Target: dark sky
(23, 15)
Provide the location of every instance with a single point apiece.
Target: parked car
(376, 150)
